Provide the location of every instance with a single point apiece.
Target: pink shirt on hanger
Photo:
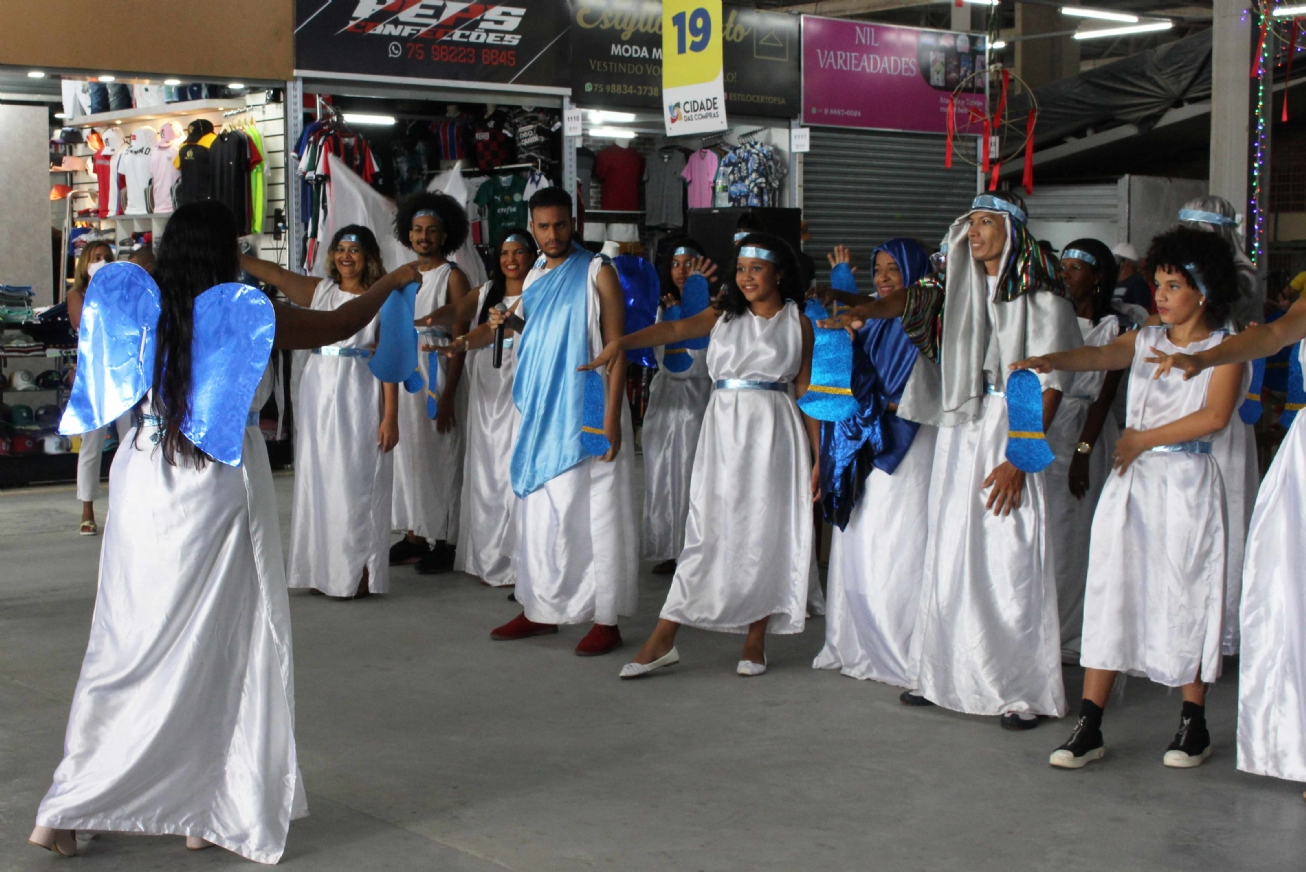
(700, 172)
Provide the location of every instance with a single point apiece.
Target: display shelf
(49, 352)
(150, 113)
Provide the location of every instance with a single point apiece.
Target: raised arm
(1222, 396)
(1087, 358)
(298, 289)
(460, 308)
(881, 308)
(661, 333)
(310, 328)
(1253, 343)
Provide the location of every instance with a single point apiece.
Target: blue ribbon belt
(993, 391)
(1185, 448)
(430, 331)
(748, 384)
(342, 351)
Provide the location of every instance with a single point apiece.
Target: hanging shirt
(229, 165)
(503, 203)
(619, 169)
(194, 162)
(534, 182)
(452, 134)
(106, 182)
(163, 174)
(494, 140)
(257, 180)
(664, 189)
(700, 173)
(137, 175)
(535, 133)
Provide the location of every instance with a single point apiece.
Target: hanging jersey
(135, 167)
(229, 166)
(493, 140)
(195, 163)
(106, 183)
(164, 174)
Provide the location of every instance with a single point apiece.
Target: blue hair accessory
(990, 203)
(741, 235)
(1079, 254)
(395, 358)
(425, 213)
(1197, 277)
(685, 249)
(593, 436)
(1201, 217)
(1251, 409)
(350, 237)
(829, 394)
(1296, 400)
(1027, 445)
(517, 237)
(759, 253)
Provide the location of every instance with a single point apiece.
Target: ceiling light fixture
(611, 133)
(1145, 27)
(35, 74)
(172, 82)
(1289, 11)
(603, 116)
(106, 78)
(1099, 14)
(237, 86)
(998, 44)
(61, 115)
(362, 118)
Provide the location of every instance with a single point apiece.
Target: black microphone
(497, 360)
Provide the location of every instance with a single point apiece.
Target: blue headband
(1079, 254)
(350, 237)
(685, 249)
(990, 203)
(1201, 217)
(516, 237)
(1198, 279)
(741, 235)
(425, 213)
(759, 253)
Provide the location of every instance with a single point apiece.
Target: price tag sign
(800, 140)
(693, 85)
(571, 123)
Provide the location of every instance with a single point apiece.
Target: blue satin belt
(748, 384)
(342, 351)
(993, 391)
(1184, 448)
(142, 420)
(431, 331)
(507, 342)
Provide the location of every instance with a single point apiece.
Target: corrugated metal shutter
(1099, 202)
(861, 187)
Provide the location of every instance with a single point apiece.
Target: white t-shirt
(165, 174)
(148, 95)
(138, 177)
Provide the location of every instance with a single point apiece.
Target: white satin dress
(1234, 449)
(428, 464)
(1155, 594)
(874, 584)
(1272, 666)
(183, 721)
(677, 402)
(748, 537)
(340, 521)
(1071, 518)
(488, 503)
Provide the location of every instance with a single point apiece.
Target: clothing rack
(537, 165)
(751, 135)
(713, 139)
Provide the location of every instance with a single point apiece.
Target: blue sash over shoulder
(547, 389)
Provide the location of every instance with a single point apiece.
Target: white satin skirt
(90, 454)
(1234, 449)
(874, 582)
(748, 538)
(340, 521)
(671, 424)
(576, 545)
(1155, 594)
(183, 721)
(428, 464)
(1272, 667)
(1070, 518)
(988, 637)
(485, 530)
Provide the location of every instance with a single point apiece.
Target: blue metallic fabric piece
(675, 357)
(842, 278)
(1296, 390)
(395, 358)
(593, 438)
(695, 296)
(115, 347)
(1252, 407)
(1027, 445)
(432, 401)
(234, 326)
(829, 395)
(814, 310)
(641, 286)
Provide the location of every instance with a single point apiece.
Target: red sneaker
(601, 639)
(521, 627)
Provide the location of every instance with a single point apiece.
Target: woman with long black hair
(183, 718)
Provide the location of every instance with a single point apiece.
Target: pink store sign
(857, 74)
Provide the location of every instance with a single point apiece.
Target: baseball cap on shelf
(24, 443)
(22, 380)
(1125, 251)
(49, 380)
(21, 415)
(47, 417)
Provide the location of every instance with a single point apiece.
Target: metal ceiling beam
(843, 8)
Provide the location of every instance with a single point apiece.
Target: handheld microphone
(497, 360)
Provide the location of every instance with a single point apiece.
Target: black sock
(1195, 714)
(1091, 712)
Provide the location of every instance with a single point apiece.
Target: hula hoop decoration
(1002, 138)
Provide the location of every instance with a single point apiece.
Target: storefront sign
(800, 140)
(693, 83)
(857, 74)
(489, 44)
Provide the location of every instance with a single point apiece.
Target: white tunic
(748, 538)
(429, 464)
(1234, 449)
(1272, 666)
(676, 404)
(874, 582)
(184, 715)
(1155, 593)
(485, 529)
(340, 522)
(1070, 518)
(576, 551)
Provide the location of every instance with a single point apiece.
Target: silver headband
(1201, 217)
(741, 236)
(990, 203)
(425, 213)
(350, 237)
(516, 237)
(1079, 254)
(759, 253)
(1198, 278)
(685, 249)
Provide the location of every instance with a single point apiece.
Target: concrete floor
(426, 746)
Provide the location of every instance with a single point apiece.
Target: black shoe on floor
(438, 561)
(1014, 721)
(1191, 746)
(666, 567)
(1083, 747)
(911, 698)
(512, 597)
(405, 551)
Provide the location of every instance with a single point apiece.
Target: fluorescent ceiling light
(1100, 14)
(1289, 11)
(61, 115)
(35, 74)
(983, 2)
(603, 116)
(998, 44)
(173, 82)
(611, 133)
(106, 78)
(361, 118)
(237, 86)
(1145, 27)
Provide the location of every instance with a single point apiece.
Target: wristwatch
(1083, 448)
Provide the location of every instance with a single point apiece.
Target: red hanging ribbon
(1292, 50)
(1260, 47)
(952, 130)
(984, 164)
(1002, 100)
(993, 180)
(1028, 179)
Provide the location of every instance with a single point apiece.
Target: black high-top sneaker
(1083, 747)
(1191, 745)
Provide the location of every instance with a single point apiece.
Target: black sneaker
(405, 551)
(438, 561)
(1083, 747)
(1191, 746)
(1015, 721)
(908, 697)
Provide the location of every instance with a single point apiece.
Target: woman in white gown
(1155, 595)
(1082, 436)
(183, 718)
(676, 404)
(747, 561)
(346, 427)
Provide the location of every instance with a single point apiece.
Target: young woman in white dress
(346, 426)
(677, 402)
(747, 561)
(183, 718)
(1155, 596)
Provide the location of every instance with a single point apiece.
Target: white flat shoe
(62, 842)
(748, 668)
(195, 843)
(639, 670)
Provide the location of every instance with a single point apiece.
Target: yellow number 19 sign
(693, 87)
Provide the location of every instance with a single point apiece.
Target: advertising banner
(857, 74)
(693, 80)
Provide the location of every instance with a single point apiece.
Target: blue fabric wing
(1296, 390)
(593, 437)
(695, 296)
(1027, 445)
(1251, 408)
(234, 326)
(842, 278)
(829, 394)
(395, 358)
(432, 400)
(641, 286)
(115, 347)
(675, 356)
